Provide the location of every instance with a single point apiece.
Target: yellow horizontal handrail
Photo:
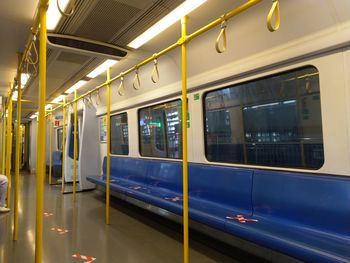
(47, 102)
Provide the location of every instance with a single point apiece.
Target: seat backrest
(56, 156)
(126, 168)
(228, 186)
(317, 201)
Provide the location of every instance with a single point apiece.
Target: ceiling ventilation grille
(115, 21)
(143, 21)
(72, 58)
(105, 19)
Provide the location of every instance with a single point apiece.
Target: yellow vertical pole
(75, 149)
(108, 172)
(50, 150)
(9, 147)
(63, 141)
(2, 137)
(184, 139)
(18, 149)
(41, 136)
(3, 142)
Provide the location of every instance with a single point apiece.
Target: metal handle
(222, 36)
(121, 89)
(155, 72)
(98, 98)
(275, 10)
(136, 83)
(64, 13)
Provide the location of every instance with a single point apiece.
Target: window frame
(110, 146)
(60, 128)
(139, 129)
(244, 82)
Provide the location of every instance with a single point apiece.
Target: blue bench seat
(304, 216)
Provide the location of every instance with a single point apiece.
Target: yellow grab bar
(63, 143)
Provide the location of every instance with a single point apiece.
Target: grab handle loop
(275, 10)
(155, 72)
(136, 83)
(98, 98)
(29, 53)
(64, 13)
(90, 100)
(28, 64)
(121, 89)
(222, 36)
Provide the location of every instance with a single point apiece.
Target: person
(3, 190)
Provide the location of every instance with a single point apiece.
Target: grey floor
(132, 237)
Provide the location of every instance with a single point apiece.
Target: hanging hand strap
(98, 98)
(222, 36)
(64, 13)
(136, 83)
(121, 89)
(275, 10)
(155, 72)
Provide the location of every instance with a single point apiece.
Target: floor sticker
(174, 199)
(87, 258)
(48, 214)
(137, 187)
(60, 230)
(241, 219)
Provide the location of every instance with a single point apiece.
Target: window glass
(272, 121)
(160, 130)
(71, 138)
(119, 134)
(59, 138)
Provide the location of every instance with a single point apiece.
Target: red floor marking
(241, 219)
(87, 258)
(136, 187)
(48, 214)
(174, 199)
(59, 230)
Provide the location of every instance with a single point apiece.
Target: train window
(71, 138)
(59, 138)
(160, 130)
(272, 121)
(119, 134)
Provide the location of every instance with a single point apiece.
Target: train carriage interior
(174, 131)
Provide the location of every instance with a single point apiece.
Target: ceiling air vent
(86, 46)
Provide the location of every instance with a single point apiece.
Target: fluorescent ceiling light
(58, 99)
(76, 86)
(53, 15)
(48, 106)
(185, 8)
(35, 115)
(24, 79)
(101, 68)
(15, 95)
